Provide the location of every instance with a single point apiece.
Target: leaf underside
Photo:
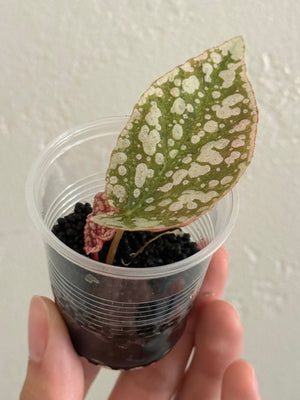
(187, 142)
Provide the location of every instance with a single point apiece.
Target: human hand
(56, 372)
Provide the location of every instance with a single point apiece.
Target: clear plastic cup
(118, 317)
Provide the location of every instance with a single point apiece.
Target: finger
(239, 382)
(161, 379)
(218, 342)
(54, 369)
(90, 371)
(216, 276)
(214, 281)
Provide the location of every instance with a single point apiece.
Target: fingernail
(37, 329)
(208, 294)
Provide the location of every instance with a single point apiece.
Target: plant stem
(114, 247)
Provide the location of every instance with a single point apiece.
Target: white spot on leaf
(225, 111)
(136, 193)
(175, 92)
(191, 195)
(120, 192)
(142, 172)
(178, 176)
(216, 57)
(207, 70)
(228, 76)
(198, 170)
(118, 158)
(189, 108)
(187, 67)
(159, 158)
(176, 206)
(145, 223)
(221, 143)
(122, 143)
(190, 84)
(216, 94)
(150, 208)
(208, 155)
(237, 143)
(211, 126)
(173, 153)
(191, 205)
(241, 126)
(153, 115)
(234, 155)
(165, 202)
(195, 139)
(166, 187)
(177, 131)
(213, 183)
(187, 160)
(122, 170)
(149, 139)
(178, 106)
(226, 179)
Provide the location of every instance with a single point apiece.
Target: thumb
(54, 369)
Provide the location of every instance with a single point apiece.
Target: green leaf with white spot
(188, 140)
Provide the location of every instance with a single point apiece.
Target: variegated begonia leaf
(187, 142)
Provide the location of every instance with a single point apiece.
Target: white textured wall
(63, 63)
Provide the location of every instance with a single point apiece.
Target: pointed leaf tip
(236, 46)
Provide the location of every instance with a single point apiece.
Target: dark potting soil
(137, 249)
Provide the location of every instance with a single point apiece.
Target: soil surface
(137, 249)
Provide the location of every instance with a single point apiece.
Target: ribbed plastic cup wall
(118, 317)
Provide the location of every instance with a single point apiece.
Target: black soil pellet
(69, 229)
(165, 249)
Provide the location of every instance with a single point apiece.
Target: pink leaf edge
(96, 235)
